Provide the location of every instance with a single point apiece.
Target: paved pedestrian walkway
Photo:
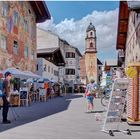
(59, 118)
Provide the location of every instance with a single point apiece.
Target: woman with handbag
(90, 93)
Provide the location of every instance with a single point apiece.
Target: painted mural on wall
(91, 66)
(17, 35)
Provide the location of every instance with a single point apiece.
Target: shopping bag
(87, 93)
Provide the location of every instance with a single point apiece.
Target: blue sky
(71, 18)
(77, 9)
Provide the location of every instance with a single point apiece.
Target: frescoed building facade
(18, 33)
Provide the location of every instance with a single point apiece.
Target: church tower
(90, 53)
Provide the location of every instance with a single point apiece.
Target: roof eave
(41, 11)
(122, 21)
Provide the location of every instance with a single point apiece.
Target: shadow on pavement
(36, 111)
(135, 130)
(100, 111)
(73, 96)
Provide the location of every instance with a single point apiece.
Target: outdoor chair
(34, 96)
(42, 94)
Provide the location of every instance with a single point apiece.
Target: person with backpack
(90, 94)
(6, 97)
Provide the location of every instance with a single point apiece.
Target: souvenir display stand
(116, 107)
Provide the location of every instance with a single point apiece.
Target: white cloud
(74, 31)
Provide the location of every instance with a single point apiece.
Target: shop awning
(21, 74)
(16, 72)
(31, 74)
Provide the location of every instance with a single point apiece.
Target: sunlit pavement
(60, 118)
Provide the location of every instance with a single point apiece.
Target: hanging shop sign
(131, 72)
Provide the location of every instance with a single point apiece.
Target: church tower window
(91, 45)
(91, 33)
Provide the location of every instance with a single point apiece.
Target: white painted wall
(48, 74)
(46, 39)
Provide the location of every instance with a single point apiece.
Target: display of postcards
(120, 86)
(114, 113)
(116, 107)
(123, 93)
(116, 96)
(117, 119)
(117, 90)
(113, 100)
(116, 93)
(123, 100)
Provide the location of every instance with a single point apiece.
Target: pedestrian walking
(90, 94)
(52, 92)
(6, 97)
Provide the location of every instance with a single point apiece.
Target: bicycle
(105, 97)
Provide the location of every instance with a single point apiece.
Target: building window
(56, 73)
(70, 71)
(37, 67)
(5, 9)
(66, 62)
(3, 42)
(32, 55)
(52, 70)
(26, 25)
(91, 33)
(138, 16)
(15, 18)
(134, 19)
(70, 55)
(29, 11)
(49, 69)
(91, 45)
(136, 57)
(26, 52)
(15, 47)
(33, 31)
(61, 72)
(45, 67)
